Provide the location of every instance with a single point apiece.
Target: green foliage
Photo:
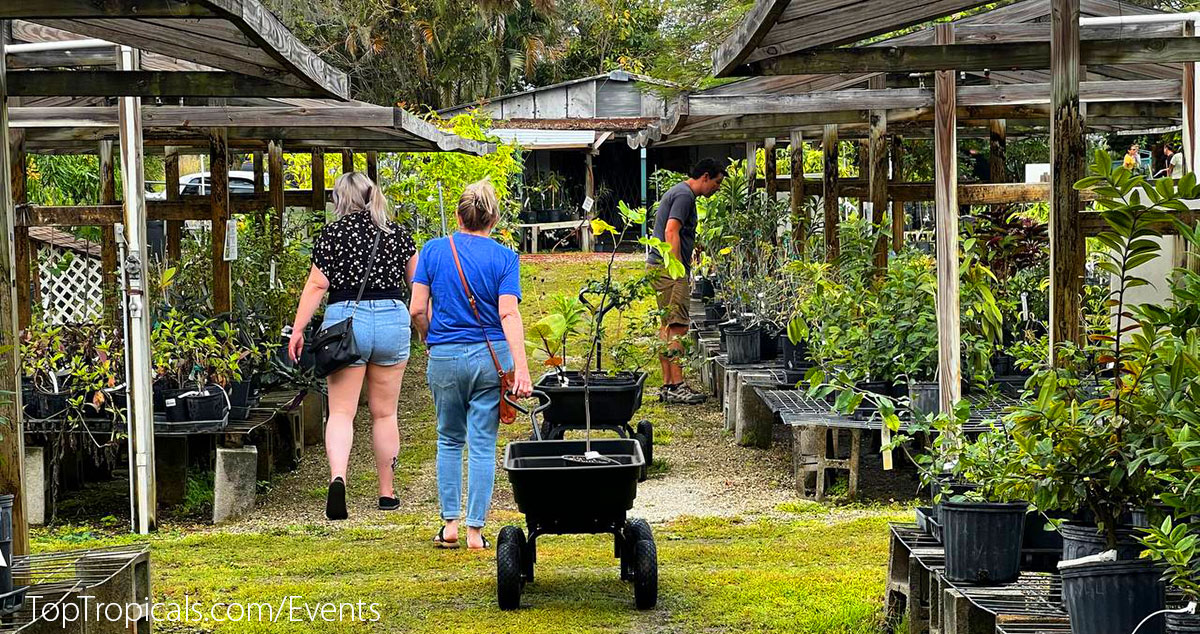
(86, 362)
(194, 350)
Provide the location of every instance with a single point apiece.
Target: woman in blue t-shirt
(462, 373)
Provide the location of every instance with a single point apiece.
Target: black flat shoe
(335, 500)
(388, 504)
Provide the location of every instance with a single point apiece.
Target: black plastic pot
(744, 346)
(714, 311)
(1183, 624)
(924, 397)
(6, 512)
(45, 404)
(882, 388)
(769, 346)
(1113, 597)
(1037, 537)
(704, 288)
(947, 490)
(795, 356)
(242, 393)
(1002, 364)
(173, 408)
(983, 541)
(1080, 540)
(211, 403)
(613, 399)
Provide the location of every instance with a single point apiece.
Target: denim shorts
(382, 329)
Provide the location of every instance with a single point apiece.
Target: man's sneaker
(683, 395)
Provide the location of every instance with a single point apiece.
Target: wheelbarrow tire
(517, 536)
(636, 530)
(645, 577)
(645, 429)
(508, 575)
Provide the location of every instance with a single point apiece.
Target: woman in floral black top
(341, 259)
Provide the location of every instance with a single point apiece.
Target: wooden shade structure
(1042, 67)
(219, 75)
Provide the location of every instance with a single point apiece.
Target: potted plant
(195, 358)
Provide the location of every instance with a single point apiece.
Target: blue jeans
(466, 393)
(381, 329)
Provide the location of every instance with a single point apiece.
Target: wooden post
(877, 173)
(829, 144)
(589, 191)
(259, 185)
(796, 183)
(108, 236)
(1191, 119)
(278, 189)
(998, 150)
(318, 185)
(751, 166)
(898, 219)
(26, 275)
(1067, 149)
(945, 184)
(373, 166)
(12, 442)
(347, 161)
(771, 169)
(218, 149)
(174, 228)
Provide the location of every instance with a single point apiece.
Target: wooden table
(536, 229)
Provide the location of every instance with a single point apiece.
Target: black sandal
(486, 544)
(440, 540)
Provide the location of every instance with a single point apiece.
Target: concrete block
(170, 469)
(729, 385)
(39, 503)
(235, 483)
(960, 616)
(315, 412)
(753, 420)
(129, 585)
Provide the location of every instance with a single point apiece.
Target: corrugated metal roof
(541, 139)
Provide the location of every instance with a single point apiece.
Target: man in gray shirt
(675, 223)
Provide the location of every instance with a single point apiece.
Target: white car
(197, 184)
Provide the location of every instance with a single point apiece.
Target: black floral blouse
(342, 250)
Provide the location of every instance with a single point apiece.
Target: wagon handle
(543, 403)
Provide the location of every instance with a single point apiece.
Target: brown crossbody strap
(474, 308)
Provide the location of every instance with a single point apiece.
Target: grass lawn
(786, 565)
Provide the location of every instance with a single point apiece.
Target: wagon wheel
(645, 576)
(645, 430)
(508, 568)
(636, 530)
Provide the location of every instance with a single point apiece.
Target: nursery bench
(534, 231)
(105, 575)
(815, 427)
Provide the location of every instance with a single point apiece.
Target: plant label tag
(231, 240)
(588, 203)
(3, 561)
(170, 402)
(272, 273)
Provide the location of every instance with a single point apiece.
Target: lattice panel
(71, 286)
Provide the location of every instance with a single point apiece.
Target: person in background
(1132, 160)
(1175, 167)
(340, 260)
(675, 223)
(462, 374)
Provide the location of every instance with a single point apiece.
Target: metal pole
(442, 210)
(141, 411)
(645, 200)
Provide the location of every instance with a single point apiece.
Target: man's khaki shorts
(673, 297)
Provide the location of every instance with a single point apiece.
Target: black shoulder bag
(334, 347)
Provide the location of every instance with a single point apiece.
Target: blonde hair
(354, 192)
(478, 208)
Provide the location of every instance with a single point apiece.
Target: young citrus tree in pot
(1082, 451)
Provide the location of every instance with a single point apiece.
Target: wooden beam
(373, 166)
(48, 9)
(971, 57)
(852, 99)
(751, 166)
(796, 185)
(221, 213)
(771, 168)
(877, 173)
(347, 161)
(998, 151)
(278, 198)
(898, 217)
(259, 174)
(945, 159)
(148, 83)
(749, 32)
(1067, 150)
(174, 228)
(12, 440)
(1040, 32)
(317, 201)
(108, 237)
(829, 145)
(26, 275)
(1191, 118)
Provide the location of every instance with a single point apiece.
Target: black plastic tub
(983, 541)
(704, 288)
(924, 397)
(769, 345)
(614, 399)
(795, 356)
(46, 404)
(174, 409)
(211, 403)
(6, 513)
(1113, 597)
(744, 346)
(1183, 624)
(947, 491)
(1081, 540)
(714, 312)
(547, 487)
